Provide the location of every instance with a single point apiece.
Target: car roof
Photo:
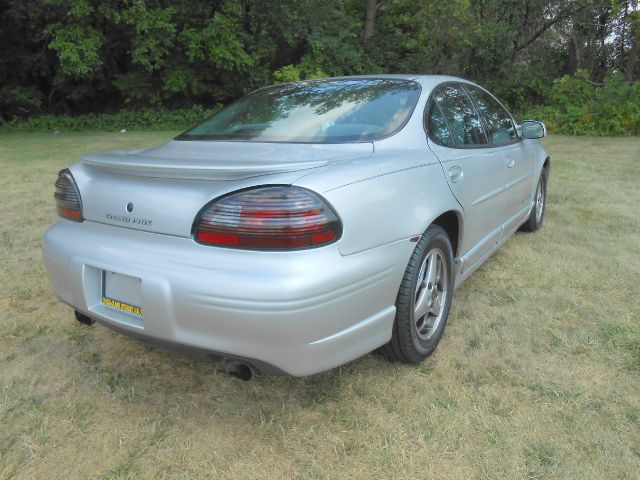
(406, 76)
(427, 81)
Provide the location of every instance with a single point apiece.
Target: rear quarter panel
(385, 199)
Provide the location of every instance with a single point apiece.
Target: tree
(75, 56)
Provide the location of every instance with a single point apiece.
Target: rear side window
(437, 125)
(460, 114)
(500, 127)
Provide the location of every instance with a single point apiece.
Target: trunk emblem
(129, 207)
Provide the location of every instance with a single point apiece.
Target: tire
(536, 217)
(414, 339)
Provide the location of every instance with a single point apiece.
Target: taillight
(268, 218)
(67, 197)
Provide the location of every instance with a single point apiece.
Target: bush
(147, 119)
(577, 107)
(574, 106)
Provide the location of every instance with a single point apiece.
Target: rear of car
(212, 243)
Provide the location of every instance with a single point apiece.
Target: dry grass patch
(538, 375)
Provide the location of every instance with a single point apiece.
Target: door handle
(456, 174)
(510, 162)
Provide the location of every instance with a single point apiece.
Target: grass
(538, 375)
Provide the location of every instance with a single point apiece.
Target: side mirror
(532, 129)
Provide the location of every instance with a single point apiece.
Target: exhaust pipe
(82, 318)
(239, 369)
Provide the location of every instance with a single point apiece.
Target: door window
(461, 116)
(500, 127)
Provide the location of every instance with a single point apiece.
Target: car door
(474, 171)
(518, 156)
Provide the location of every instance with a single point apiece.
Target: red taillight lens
(268, 218)
(67, 197)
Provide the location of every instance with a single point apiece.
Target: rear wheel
(424, 299)
(536, 217)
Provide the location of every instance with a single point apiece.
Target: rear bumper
(299, 312)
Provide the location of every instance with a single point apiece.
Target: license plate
(121, 292)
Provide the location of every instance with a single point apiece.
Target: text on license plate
(125, 307)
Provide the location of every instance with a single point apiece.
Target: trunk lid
(162, 189)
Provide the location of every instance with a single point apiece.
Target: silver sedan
(302, 226)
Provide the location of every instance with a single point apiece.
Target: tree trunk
(369, 20)
(577, 41)
(632, 58)
(576, 49)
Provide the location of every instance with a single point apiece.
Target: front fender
(541, 156)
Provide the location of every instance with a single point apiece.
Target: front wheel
(536, 217)
(424, 299)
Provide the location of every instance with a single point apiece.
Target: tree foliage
(92, 56)
(577, 107)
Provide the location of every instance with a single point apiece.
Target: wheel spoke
(422, 304)
(432, 271)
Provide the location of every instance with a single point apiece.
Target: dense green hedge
(576, 106)
(146, 119)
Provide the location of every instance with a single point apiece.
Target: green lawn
(538, 375)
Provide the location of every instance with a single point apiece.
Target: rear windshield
(318, 111)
